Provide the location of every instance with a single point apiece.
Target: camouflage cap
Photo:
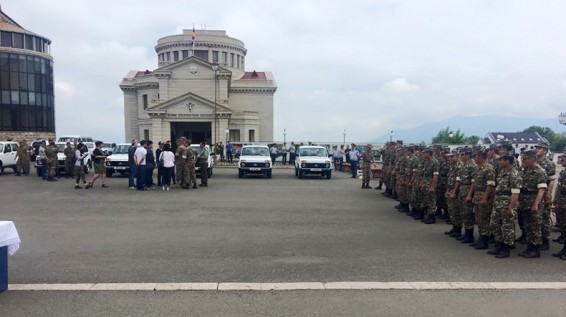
(466, 150)
(529, 154)
(543, 145)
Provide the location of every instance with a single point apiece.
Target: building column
(156, 133)
(222, 127)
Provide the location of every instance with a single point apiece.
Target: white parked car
(118, 161)
(255, 159)
(8, 155)
(75, 139)
(108, 148)
(196, 147)
(313, 160)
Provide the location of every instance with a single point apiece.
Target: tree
(544, 132)
(473, 139)
(559, 142)
(447, 136)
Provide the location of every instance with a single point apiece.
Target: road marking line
(293, 286)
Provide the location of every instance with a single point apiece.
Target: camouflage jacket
(180, 155)
(466, 173)
(453, 175)
(560, 197)
(430, 168)
(51, 152)
(549, 167)
(483, 177)
(508, 182)
(533, 179)
(69, 152)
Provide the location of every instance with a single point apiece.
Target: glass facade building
(27, 101)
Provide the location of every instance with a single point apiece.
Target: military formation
(483, 188)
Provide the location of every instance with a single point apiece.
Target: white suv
(118, 161)
(255, 159)
(8, 155)
(313, 160)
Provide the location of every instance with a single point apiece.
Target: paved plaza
(253, 231)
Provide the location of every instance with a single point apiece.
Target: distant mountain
(479, 125)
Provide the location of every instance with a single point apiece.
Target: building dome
(27, 103)
(210, 46)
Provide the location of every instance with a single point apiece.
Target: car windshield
(121, 149)
(255, 151)
(68, 139)
(313, 152)
(61, 147)
(107, 145)
(89, 145)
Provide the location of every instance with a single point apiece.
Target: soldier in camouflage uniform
(454, 206)
(367, 159)
(69, 155)
(507, 189)
(560, 207)
(385, 168)
(191, 160)
(463, 184)
(428, 184)
(392, 176)
(402, 182)
(531, 203)
(550, 169)
(418, 192)
(481, 195)
(180, 163)
(22, 158)
(51, 157)
(444, 169)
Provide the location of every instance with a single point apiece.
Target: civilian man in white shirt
(139, 160)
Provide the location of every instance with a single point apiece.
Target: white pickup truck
(255, 159)
(313, 160)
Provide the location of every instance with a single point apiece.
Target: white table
(9, 237)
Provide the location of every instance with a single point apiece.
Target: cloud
(400, 85)
(367, 66)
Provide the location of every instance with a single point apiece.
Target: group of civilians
(350, 154)
(275, 152)
(143, 161)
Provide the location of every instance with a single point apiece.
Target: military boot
(560, 253)
(482, 243)
(504, 253)
(531, 252)
(419, 215)
(404, 208)
(449, 232)
(431, 220)
(379, 186)
(560, 239)
(411, 211)
(457, 232)
(522, 239)
(497, 249)
(545, 244)
(468, 236)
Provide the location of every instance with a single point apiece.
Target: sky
(363, 66)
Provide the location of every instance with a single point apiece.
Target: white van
(75, 139)
(8, 155)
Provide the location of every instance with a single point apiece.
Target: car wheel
(109, 173)
(86, 169)
(240, 174)
(300, 175)
(269, 174)
(209, 172)
(38, 171)
(296, 172)
(1, 168)
(329, 175)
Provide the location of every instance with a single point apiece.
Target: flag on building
(194, 37)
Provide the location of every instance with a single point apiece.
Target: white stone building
(202, 93)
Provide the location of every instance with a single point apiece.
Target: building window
(234, 136)
(29, 42)
(168, 56)
(144, 98)
(175, 56)
(185, 54)
(18, 40)
(6, 39)
(146, 134)
(252, 136)
(202, 54)
(232, 60)
(215, 56)
(224, 58)
(238, 61)
(242, 63)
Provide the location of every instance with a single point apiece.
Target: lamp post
(284, 136)
(344, 137)
(391, 136)
(562, 118)
(215, 69)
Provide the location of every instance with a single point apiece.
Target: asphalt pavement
(246, 230)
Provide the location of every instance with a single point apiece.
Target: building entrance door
(195, 131)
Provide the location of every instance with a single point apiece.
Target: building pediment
(188, 104)
(191, 66)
